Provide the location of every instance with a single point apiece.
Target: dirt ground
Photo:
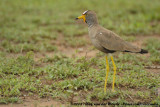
(36, 103)
(82, 51)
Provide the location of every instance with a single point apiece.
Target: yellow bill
(82, 17)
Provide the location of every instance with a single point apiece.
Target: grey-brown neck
(91, 20)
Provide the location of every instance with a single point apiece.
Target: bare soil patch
(154, 71)
(29, 102)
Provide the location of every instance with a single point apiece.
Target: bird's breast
(92, 35)
(95, 42)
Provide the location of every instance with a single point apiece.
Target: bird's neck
(92, 30)
(92, 22)
(90, 25)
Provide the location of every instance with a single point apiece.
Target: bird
(107, 42)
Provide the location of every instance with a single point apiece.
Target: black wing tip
(143, 51)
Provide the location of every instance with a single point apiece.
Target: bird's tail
(143, 51)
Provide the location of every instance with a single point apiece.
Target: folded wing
(111, 41)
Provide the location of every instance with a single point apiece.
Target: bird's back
(109, 42)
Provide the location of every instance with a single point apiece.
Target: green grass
(35, 28)
(66, 78)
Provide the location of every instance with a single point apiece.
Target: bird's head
(89, 17)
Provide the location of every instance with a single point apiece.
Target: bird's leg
(114, 75)
(107, 71)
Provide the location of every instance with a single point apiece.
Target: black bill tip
(76, 18)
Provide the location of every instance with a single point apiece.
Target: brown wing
(112, 41)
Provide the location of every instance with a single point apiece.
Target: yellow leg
(107, 71)
(114, 75)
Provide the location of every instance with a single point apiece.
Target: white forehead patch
(85, 12)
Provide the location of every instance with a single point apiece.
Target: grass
(31, 28)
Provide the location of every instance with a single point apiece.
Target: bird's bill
(82, 17)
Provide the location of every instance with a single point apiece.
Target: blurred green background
(37, 22)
